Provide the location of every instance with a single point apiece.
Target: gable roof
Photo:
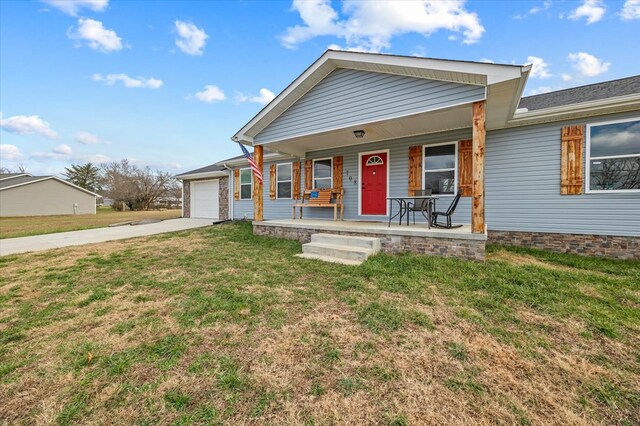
(206, 169)
(465, 72)
(575, 95)
(27, 180)
(4, 176)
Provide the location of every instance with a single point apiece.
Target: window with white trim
(246, 184)
(283, 180)
(375, 160)
(613, 156)
(323, 173)
(440, 173)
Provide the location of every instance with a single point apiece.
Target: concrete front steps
(348, 250)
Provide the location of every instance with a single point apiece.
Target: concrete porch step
(370, 243)
(349, 250)
(329, 259)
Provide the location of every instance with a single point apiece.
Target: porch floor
(370, 227)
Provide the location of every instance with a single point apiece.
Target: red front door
(374, 183)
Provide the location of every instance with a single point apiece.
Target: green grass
(218, 326)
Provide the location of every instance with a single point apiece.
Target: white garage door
(204, 199)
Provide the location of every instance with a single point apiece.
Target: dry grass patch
(218, 326)
(12, 227)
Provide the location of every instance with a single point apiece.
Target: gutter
(598, 107)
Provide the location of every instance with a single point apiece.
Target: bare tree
(139, 188)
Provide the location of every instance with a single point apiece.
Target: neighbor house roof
(508, 81)
(23, 179)
(576, 95)
(4, 176)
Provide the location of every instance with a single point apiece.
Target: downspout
(229, 190)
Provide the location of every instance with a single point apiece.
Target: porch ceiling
(429, 122)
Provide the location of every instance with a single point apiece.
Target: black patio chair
(419, 205)
(447, 214)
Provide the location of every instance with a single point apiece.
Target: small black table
(403, 210)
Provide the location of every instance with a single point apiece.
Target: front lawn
(217, 326)
(11, 227)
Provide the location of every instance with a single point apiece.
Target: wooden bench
(322, 198)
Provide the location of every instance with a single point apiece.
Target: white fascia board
(599, 107)
(55, 178)
(202, 175)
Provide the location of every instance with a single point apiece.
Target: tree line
(139, 188)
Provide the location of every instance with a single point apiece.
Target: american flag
(256, 171)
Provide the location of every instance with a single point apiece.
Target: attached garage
(204, 199)
(205, 193)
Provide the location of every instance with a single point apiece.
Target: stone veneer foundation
(462, 248)
(223, 197)
(615, 247)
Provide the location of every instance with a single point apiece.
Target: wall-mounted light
(358, 133)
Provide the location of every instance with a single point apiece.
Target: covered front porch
(374, 127)
(457, 242)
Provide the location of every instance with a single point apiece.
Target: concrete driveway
(98, 235)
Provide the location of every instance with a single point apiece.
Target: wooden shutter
(308, 175)
(236, 184)
(465, 167)
(295, 180)
(415, 169)
(571, 163)
(272, 182)
(337, 172)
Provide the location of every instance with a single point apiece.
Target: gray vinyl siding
(271, 209)
(47, 197)
(522, 186)
(348, 97)
(398, 174)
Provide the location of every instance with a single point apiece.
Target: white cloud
(630, 10)
(539, 90)
(370, 25)
(10, 152)
(593, 10)
(487, 61)
(63, 149)
(539, 68)
(72, 7)
(191, 39)
(64, 153)
(536, 9)
(211, 93)
(263, 98)
(28, 125)
(588, 65)
(96, 36)
(129, 82)
(567, 77)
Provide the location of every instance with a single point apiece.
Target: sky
(166, 84)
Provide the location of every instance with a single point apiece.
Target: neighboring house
(22, 194)
(559, 170)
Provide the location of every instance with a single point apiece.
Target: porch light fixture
(358, 133)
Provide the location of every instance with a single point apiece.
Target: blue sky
(166, 84)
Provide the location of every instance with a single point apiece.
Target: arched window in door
(375, 160)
